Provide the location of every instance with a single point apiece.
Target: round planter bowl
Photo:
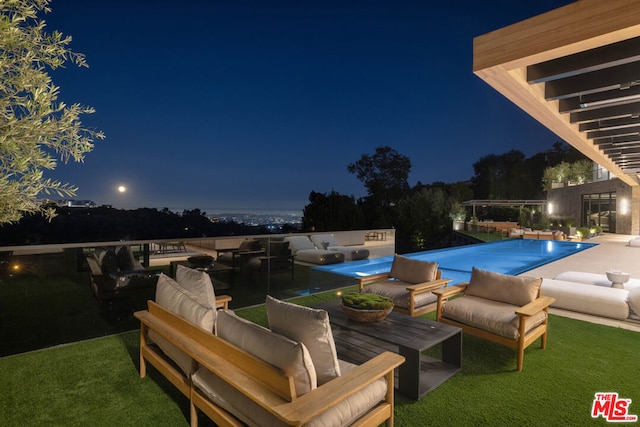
(365, 315)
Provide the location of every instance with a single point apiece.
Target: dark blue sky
(251, 105)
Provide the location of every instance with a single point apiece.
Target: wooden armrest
(329, 394)
(372, 278)
(222, 301)
(432, 285)
(451, 290)
(535, 306)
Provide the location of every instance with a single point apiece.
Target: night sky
(232, 106)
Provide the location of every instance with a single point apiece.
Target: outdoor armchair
(410, 284)
(505, 309)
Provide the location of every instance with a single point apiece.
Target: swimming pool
(513, 256)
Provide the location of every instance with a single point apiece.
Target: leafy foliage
(565, 172)
(35, 128)
(333, 211)
(364, 301)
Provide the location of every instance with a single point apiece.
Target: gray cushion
(413, 270)
(489, 315)
(310, 327)
(516, 290)
(397, 291)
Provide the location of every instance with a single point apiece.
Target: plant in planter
(365, 307)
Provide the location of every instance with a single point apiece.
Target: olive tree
(36, 130)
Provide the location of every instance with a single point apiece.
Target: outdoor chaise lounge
(593, 294)
(303, 249)
(328, 241)
(409, 284)
(507, 310)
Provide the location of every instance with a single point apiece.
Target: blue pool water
(513, 256)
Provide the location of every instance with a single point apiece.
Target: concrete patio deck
(613, 252)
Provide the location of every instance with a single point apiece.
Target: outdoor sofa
(303, 250)
(115, 273)
(246, 374)
(328, 241)
(591, 293)
(507, 310)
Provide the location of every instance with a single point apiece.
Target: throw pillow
(412, 270)
(290, 356)
(125, 259)
(516, 290)
(311, 327)
(633, 298)
(109, 262)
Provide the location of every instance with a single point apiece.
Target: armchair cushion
(489, 315)
(125, 259)
(277, 248)
(108, 262)
(516, 290)
(311, 327)
(397, 291)
(290, 356)
(412, 270)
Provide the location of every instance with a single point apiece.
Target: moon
(122, 189)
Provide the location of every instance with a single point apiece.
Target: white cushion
(633, 298)
(298, 243)
(397, 291)
(593, 279)
(290, 356)
(198, 283)
(634, 242)
(319, 240)
(584, 298)
(310, 327)
(173, 297)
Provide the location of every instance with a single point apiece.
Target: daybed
(250, 375)
(592, 293)
(504, 309)
(328, 241)
(115, 273)
(409, 284)
(303, 249)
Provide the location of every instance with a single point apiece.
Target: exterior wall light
(624, 206)
(550, 208)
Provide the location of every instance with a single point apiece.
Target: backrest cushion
(319, 240)
(413, 270)
(290, 356)
(310, 327)
(125, 259)
(516, 290)
(109, 262)
(298, 243)
(198, 283)
(249, 245)
(181, 301)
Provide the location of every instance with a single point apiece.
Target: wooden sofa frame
(259, 381)
(523, 341)
(416, 289)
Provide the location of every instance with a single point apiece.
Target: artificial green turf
(96, 382)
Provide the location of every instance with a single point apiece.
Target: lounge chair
(328, 241)
(303, 249)
(409, 284)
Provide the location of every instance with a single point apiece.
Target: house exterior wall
(567, 201)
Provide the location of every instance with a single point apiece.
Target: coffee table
(408, 336)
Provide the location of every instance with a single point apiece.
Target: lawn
(96, 382)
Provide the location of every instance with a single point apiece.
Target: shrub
(367, 301)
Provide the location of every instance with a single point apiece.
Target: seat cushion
(590, 299)
(290, 356)
(310, 327)
(319, 256)
(397, 291)
(413, 270)
(343, 413)
(516, 290)
(489, 315)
